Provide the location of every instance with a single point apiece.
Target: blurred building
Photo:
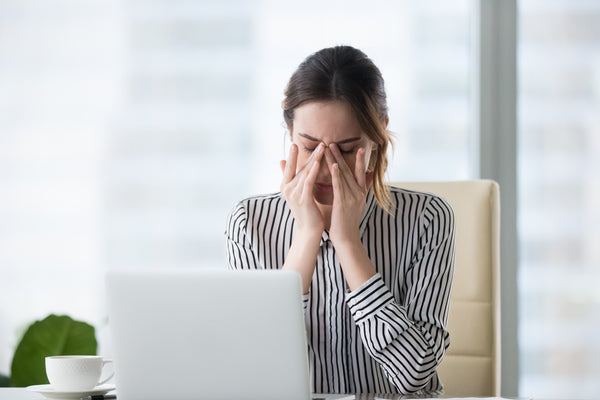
(128, 129)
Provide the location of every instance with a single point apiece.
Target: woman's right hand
(297, 188)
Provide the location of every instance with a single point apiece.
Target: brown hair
(347, 74)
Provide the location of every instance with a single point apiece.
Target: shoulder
(251, 203)
(257, 207)
(413, 201)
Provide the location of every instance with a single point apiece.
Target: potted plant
(55, 335)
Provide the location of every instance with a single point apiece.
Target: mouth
(324, 186)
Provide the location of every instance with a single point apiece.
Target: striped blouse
(388, 335)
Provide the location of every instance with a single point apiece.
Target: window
(130, 128)
(559, 193)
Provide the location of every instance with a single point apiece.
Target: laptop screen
(191, 334)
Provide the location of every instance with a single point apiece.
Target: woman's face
(328, 122)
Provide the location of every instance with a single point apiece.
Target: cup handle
(104, 362)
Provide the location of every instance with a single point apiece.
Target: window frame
(494, 124)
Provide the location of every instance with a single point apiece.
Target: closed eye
(311, 149)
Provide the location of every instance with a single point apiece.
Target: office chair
(471, 366)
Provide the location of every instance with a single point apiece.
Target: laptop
(208, 334)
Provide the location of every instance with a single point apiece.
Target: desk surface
(24, 394)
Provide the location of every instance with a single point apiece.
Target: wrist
(302, 256)
(346, 242)
(355, 262)
(308, 234)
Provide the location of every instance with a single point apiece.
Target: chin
(325, 199)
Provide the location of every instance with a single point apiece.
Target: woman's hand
(297, 188)
(349, 195)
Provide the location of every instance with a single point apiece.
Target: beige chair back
(471, 366)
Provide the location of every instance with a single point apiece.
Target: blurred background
(129, 128)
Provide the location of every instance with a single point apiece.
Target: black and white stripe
(390, 334)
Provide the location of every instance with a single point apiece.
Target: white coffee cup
(75, 373)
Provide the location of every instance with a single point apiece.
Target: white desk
(18, 394)
(24, 394)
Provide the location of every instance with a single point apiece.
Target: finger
(318, 157)
(329, 158)
(307, 176)
(336, 181)
(311, 177)
(331, 161)
(282, 165)
(290, 165)
(346, 174)
(360, 168)
(316, 154)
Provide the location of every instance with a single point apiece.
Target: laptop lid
(194, 334)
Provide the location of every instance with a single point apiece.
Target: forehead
(328, 121)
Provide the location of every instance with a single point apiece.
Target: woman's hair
(346, 74)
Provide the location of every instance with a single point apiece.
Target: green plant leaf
(53, 336)
(4, 380)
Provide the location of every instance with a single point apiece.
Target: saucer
(51, 393)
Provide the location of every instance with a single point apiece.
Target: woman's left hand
(349, 196)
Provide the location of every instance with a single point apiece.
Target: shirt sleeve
(240, 254)
(408, 338)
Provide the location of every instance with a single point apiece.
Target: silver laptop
(208, 334)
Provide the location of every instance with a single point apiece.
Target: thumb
(282, 164)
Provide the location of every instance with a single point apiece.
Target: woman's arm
(297, 188)
(409, 340)
(350, 190)
(239, 253)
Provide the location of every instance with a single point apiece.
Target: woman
(376, 262)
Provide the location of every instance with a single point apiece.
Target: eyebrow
(312, 139)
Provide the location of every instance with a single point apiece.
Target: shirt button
(352, 302)
(359, 313)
